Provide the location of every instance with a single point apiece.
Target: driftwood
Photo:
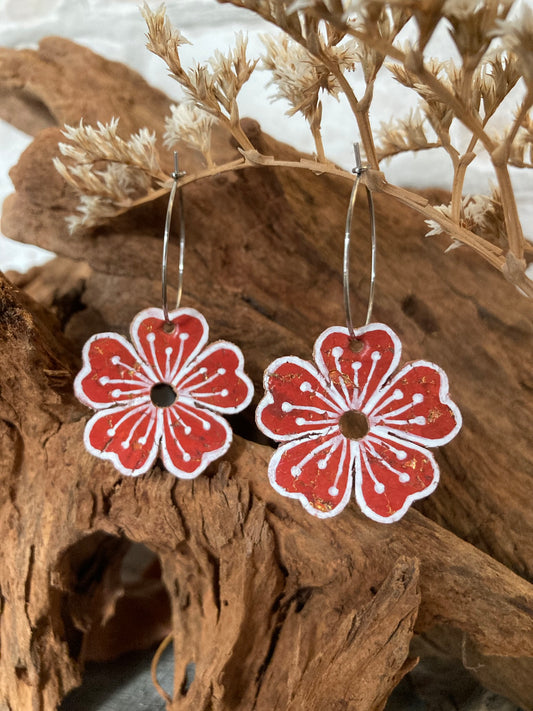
(278, 610)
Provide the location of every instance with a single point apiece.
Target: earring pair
(344, 422)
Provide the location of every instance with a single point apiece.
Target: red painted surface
(320, 461)
(132, 426)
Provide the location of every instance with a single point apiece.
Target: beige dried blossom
(493, 222)
(481, 214)
(405, 134)
(90, 145)
(112, 189)
(516, 36)
(522, 147)
(108, 172)
(376, 22)
(214, 86)
(472, 22)
(437, 112)
(163, 39)
(299, 76)
(192, 125)
(496, 76)
(92, 210)
(231, 71)
(409, 78)
(116, 182)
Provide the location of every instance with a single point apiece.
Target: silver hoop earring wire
(175, 176)
(358, 170)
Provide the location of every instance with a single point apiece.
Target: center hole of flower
(353, 424)
(163, 395)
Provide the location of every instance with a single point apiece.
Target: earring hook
(358, 170)
(176, 174)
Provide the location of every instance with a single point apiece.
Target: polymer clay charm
(347, 421)
(162, 395)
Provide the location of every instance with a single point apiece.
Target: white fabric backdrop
(116, 29)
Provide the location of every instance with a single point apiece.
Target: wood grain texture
(277, 609)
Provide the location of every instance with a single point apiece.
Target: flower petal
(297, 401)
(390, 475)
(168, 353)
(192, 439)
(416, 406)
(112, 373)
(357, 372)
(127, 436)
(315, 470)
(217, 380)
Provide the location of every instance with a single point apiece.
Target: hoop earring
(345, 421)
(162, 394)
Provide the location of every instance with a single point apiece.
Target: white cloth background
(115, 29)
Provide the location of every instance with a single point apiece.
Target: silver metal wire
(358, 170)
(175, 176)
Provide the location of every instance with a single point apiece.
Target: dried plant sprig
(92, 211)
(447, 74)
(108, 172)
(522, 148)
(303, 26)
(469, 92)
(300, 78)
(459, 95)
(214, 86)
(405, 134)
(480, 214)
(193, 126)
(448, 95)
(471, 26)
(163, 39)
(231, 72)
(382, 23)
(516, 35)
(89, 144)
(117, 182)
(496, 76)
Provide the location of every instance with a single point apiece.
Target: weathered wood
(275, 607)
(254, 581)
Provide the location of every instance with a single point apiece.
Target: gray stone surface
(124, 684)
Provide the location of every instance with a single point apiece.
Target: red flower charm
(347, 418)
(162, 395)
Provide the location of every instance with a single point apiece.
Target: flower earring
(346, 419)
(162, 393)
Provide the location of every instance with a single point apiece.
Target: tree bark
(277, 609)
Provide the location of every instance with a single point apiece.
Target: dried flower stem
(237, 133)
(360, 112)
(319, 47)
(490, 252)
(374, 179)
(414, 62)
(520, 116)
(515, 236)
(460, 167)
(319, 144)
